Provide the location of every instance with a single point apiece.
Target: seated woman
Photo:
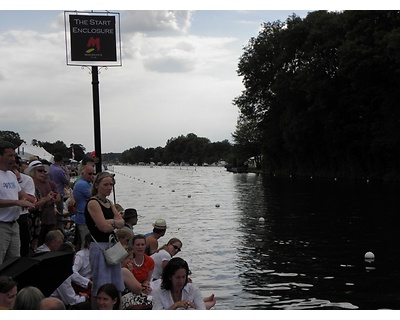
(161, 258)
(108, 297)
(176, 292)
(133, 287)
(142, 264)
(163, 255)
(141, 267)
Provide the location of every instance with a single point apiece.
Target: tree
(247, 140)
(12, 137)
(57, 147)
(323, 92)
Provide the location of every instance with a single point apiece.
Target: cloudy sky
(178, 76)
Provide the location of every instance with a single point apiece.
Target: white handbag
(115, 252)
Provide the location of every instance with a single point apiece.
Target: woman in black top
(102, 218)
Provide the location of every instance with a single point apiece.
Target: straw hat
(160, 224)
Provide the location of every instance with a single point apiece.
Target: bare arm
(104, 225)
(152, 243)
(20, 203)
(131, 282)
(118, 220)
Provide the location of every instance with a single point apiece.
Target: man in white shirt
(12, 199)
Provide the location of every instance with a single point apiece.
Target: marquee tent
(26, 151)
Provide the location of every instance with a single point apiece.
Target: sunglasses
(41, 171)
(176, 248)
(91, 173)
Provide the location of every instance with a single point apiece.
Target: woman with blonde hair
(102, 218)
(163, 255)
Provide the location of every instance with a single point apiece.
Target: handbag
(131, 301)
(115, 252)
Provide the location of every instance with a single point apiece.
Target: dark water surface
(261, 242)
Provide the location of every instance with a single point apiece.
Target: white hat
(36, 164)
(160, 224)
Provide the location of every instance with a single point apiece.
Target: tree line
(322, 95)
(189, 149)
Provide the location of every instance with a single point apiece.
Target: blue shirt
(81, 193)
(58, 175)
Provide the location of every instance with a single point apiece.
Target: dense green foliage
(12, 137)
(189, 149)
(53, 148)
(323, 93)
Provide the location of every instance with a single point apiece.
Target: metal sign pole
(96, 116)
(93, 39)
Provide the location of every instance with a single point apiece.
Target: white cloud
(178, 76)
(158, 20)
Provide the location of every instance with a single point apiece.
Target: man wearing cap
(12, 199)
(160, 227)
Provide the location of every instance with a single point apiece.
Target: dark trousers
(24, 234)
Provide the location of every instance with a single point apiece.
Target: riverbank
(386, 179)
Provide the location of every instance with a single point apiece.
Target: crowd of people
(38, 201)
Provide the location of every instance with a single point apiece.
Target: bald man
(51, 303)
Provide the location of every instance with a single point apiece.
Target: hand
(146, 289)
(25, 204)
(50, 196)
(82, 294)
(185, 304)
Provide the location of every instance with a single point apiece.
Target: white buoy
(369, 256)
(261, 219)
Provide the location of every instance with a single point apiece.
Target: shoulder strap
(97, 243)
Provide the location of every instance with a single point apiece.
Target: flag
(73, 152)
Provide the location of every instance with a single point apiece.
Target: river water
(266, 243)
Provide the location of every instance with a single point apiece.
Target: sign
(93, 39)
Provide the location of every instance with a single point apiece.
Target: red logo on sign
(92, 43)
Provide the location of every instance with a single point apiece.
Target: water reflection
(275, 243)
(307, 250)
